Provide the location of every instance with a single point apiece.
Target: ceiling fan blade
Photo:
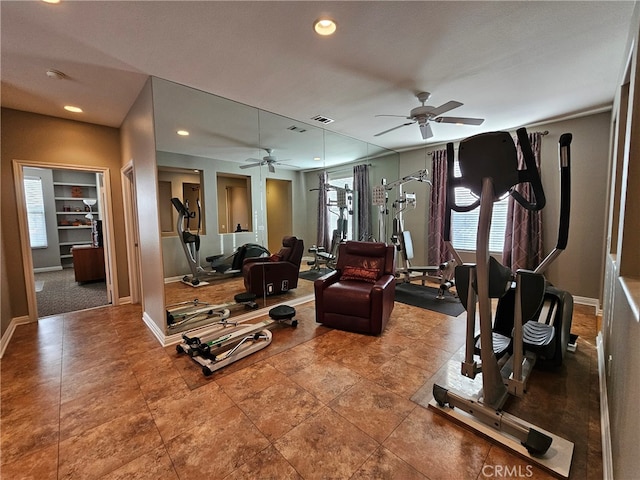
(384, 115)
(251, 165)
(445, 107)
(394, 128)
(425, 130)
(460, 120)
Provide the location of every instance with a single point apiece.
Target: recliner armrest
(384, 281)
(255, 260)
(326, 280)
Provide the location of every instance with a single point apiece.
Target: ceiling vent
(295, 128)
(322, 119)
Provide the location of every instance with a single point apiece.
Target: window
(335, 201)
(464, 225)
(35, 212)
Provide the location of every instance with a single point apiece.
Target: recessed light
(71, 108)
(51, 1)
(183, 133)
(317, 159)
(325, 26)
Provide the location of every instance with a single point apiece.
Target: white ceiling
(512, 63)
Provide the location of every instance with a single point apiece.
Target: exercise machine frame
(190, 242)
(489, 174)
(225, 342)
(401, 238)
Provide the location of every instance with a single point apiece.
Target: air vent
(322, 119)
(295, 128)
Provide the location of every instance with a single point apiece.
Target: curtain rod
(346, 169)
(546, 132)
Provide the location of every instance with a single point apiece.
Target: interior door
(279, 212)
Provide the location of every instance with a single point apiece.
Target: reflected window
(340, 200)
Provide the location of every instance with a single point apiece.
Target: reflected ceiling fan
(269, 160)
(424, 114)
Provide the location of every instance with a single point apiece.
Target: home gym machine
(402, 238)
(226, 342)
(344, 203)
(220, 266)
(521, 333)
(195, 312)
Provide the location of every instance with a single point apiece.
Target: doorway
(279, 212)
(76, 271)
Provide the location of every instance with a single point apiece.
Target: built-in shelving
(71, 189)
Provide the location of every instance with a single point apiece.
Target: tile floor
(93, 395)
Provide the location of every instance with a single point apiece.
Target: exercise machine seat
(277, 273)
(358, 296)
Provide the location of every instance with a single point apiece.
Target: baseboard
(148, 321)
(605, 426)
(6, 338)
(47, 269)
(590, 302)
(124, 301)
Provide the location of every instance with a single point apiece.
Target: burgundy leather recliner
(277, 273)
(359, 295)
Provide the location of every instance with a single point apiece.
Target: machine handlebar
(529, 175)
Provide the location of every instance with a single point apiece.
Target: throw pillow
(361, 274)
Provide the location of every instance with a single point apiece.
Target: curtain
(437, 249)
(364, 200)
(323, 239)
(523, 233)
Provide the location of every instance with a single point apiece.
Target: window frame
(36, 214)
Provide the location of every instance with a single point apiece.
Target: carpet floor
(57, 292)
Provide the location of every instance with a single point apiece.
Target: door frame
(132, 232)
(23, 228)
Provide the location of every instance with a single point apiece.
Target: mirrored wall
(253, 173)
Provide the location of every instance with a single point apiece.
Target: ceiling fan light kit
(424, 114)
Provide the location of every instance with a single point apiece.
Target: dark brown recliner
(359, 295)
(277, 273)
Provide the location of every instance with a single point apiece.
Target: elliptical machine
(523, 330)
(190, 241)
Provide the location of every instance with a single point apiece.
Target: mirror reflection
(258, 185)
(234, 203)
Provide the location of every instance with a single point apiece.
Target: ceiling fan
(269, 160)
(424, 114)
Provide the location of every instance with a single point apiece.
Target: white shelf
(75, 184)
(81, 183)
(71, 199)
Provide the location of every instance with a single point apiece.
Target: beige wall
(138, 146)
(39, 138)
(621, 321)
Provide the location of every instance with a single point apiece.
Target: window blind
(464, 225)
(35, 212)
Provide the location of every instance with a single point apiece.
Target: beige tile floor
(93, 395)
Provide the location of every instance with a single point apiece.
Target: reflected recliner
(359, 295)
(277, 273)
